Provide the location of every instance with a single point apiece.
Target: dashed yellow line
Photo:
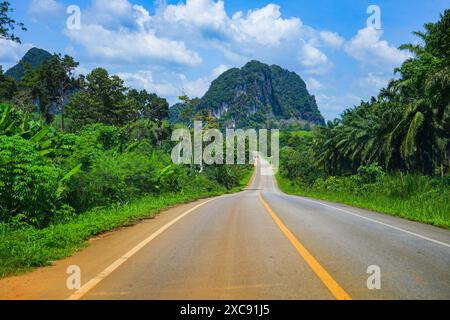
(323, 275)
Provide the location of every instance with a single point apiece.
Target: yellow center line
(323, 275)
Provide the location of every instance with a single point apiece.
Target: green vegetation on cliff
(34, 58)
(259, 95)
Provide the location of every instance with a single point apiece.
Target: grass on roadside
(427, 204)
(21, 250)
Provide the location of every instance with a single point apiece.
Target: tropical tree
(8, 87)
(102, 99)
(325, 151)
(7, 24)
(149, 105)
(407, 127)
(424, 90)
(58, 75)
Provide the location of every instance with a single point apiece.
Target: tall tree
(102, 98)
(149, 105)
(7, 87)
(424, 90)
(408, 127)
(50, 85)
(31, 82)
(58, 75)
(188, 110)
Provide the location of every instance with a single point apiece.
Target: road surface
(257, 244)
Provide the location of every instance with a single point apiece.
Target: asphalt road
(257, 244)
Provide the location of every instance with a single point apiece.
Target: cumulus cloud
(311, 56)
(130, 39)
(198, 13)
(11, 52)
(331, 39)
(116, 14)
(144, 79)
(118, 29)
(217, 71)
(368, 48)
(198, 87)
(265, 26)
(174, 84)
(178, 36)
(314, 60)
(129, 45)
(313, 84)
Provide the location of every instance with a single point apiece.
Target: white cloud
(45, 7)
(199, 13)
(144, 79)
(265, 26)
(260, 33)
(375, 81)
(174, 84)
(313, 84)
(177, 33)
(198, 87)
(11, 52)
(331, 39)
(141, 16)
(219, 70)
(81, 69)
(368, 48)
(118, 30)
(129, 45)
(313, 60)
(311, 56)
(194, 88)
(113, 14)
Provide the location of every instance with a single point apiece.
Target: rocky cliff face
(260, 94)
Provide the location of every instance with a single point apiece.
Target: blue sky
(175, 47)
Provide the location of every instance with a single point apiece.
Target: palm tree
(424, 89)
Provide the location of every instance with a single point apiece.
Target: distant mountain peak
(258, 94)
(33, 59)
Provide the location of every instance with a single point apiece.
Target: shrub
(28, 185)
(226, 175)
(200, 183)
(371, 173)
(298, 165)
(90, 144)
(119, 177)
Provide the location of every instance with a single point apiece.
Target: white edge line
(102, 275)
(376, 221)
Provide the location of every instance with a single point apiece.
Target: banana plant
(14, 123)
(62, 186)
